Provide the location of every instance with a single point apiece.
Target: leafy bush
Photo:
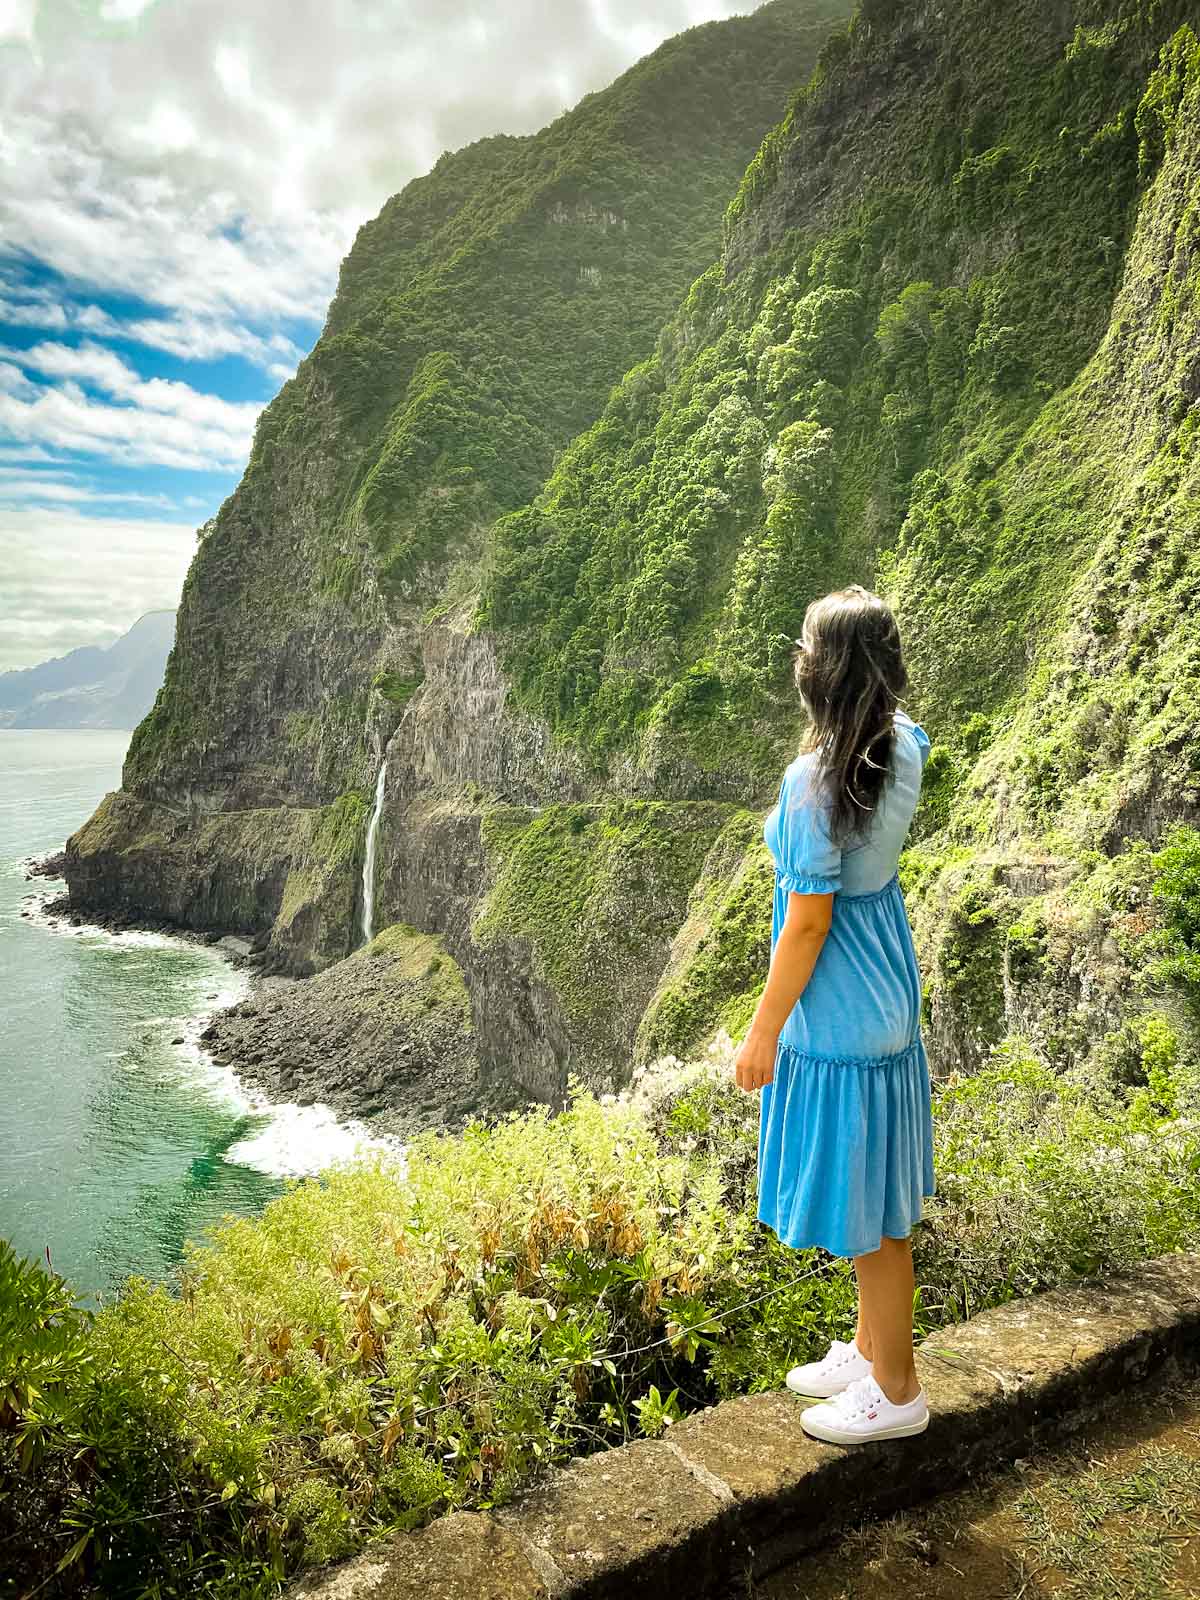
(1041, 1179)
(383, 1345)
(1177, 888)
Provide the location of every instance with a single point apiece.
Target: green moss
(324, 858)
(939, 785)
(1158, 1101)
(1025, 945)
(421, 960)
(300, 729)
(1176, 887)
(301, 888)
(724, 949)
(340, 833)
(597, 891)
(969, 969)
(395, 687)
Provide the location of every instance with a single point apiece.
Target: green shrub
(100, 1492)
(1177, 888)
(381, 1346)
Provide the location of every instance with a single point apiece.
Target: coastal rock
(558, 608)
(49, 866)
(386, 1031)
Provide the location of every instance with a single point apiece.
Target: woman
(845, 1150)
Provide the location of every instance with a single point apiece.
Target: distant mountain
(111, 686)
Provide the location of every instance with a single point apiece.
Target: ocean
(120, 1140)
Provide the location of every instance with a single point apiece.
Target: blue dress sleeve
(807, 859)
(922, 739)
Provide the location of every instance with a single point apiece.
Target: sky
(179, 181)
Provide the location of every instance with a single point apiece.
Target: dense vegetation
(391, 1342)
(382, 1346)
(937, 357)
(948, 350)
(945, 351)
(479, 322)
(482, 315)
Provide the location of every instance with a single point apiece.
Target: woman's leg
(862, 1335)
(885, 1281)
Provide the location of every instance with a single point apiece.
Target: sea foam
(290, 1141)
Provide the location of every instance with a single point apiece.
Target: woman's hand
(754, 1063)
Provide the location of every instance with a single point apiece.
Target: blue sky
(179, 180)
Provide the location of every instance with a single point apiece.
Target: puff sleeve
(806, 858)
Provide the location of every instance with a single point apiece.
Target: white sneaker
(833, 1373)
(863, 1412)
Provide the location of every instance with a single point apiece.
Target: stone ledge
(736, 1490)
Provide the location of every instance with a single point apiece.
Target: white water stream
(368, 886)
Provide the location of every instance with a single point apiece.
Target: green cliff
(567, 465)
(949, 350)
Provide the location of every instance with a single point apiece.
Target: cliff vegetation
(550, 550)
(384, 1345)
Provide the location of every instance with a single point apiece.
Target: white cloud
(218, 160)
(33, 312)
(90, 362)
(189, 337)
(70, 579)
(213, 163)
(156, 420)
(25, 454)
(123, 10)
(21, 489)
(14, 382)
(16, 19)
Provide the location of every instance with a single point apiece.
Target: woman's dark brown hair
(850, 672)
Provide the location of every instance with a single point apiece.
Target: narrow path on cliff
(1112, 1514)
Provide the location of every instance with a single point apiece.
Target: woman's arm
(796, 950)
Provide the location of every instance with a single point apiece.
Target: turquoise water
(116, 1144)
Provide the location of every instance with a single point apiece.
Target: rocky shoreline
(384, 1035)
(58, 908)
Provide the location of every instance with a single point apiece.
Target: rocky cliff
(948, 348)
(479, 324)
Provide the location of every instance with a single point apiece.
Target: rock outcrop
(386, 1033)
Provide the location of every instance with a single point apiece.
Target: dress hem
(845, 1252)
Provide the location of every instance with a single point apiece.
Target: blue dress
(845, 1141)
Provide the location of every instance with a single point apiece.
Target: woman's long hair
(850, 672)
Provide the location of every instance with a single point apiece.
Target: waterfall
(368, 883)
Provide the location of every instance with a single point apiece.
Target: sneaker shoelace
(839, 1355)
(859, 1398)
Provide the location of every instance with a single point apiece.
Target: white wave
(299, 1141)
(294, 1141)
(126, 938)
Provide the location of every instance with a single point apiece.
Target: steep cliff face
(479, 324)
(949, 350)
